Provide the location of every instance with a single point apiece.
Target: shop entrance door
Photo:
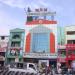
(53, 63)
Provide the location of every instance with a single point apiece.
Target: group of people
(50, 70)
(68, 69)
(46, 70)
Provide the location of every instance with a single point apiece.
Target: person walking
(59, 70)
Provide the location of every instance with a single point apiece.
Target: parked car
(24, 67)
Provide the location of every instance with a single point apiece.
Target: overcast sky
(12, 14)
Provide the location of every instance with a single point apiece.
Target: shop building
(3, 48)
(16, 45)
(70, 44)
(62, 55)
(40, 37)
(61, 47)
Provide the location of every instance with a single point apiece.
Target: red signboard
(3, 49)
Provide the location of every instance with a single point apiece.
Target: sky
(13, 15)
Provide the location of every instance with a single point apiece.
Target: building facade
(40, 37)
(3, 48)
(16, 45)
(62, 55)
(70, 44)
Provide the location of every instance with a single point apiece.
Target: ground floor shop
(2, 58)
(39, 61)
(2, 63)
(13, 59)
(62, 61)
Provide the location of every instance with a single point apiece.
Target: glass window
(16, 36)
(31, 66)
(40, 42)
(15, 44)
(70, 32)
(71, 41)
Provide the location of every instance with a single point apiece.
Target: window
(31, 66)
(70, 32)
(2, 38)
(40, 42)
(71, 41)
(16, 36)
(15, 44)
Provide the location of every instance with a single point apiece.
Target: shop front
(62, 61)
(2, 56)
(70, 54)
(40, 58)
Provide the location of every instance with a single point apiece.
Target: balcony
(15, 48)
(18, 39)
(14, 56)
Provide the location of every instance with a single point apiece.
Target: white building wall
(69, 37)
(4, 42)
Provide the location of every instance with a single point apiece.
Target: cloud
(13, 3)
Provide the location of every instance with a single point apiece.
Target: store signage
(41, 9)
(40, 55)
(40, 13)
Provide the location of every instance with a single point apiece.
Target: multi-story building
(61, 46)
(70, 44)
(3, 47)
(16, 45)
(62, 55)
(40, 37)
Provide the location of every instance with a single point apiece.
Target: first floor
(42, 62)
(14, 59)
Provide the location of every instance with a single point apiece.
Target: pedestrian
(73, 67)
(59, 70)
(68, 71)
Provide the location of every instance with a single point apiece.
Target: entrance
(44, 62)
(1, 63)
(63, 64)
(53, 63)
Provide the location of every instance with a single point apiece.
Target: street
(7, 72)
